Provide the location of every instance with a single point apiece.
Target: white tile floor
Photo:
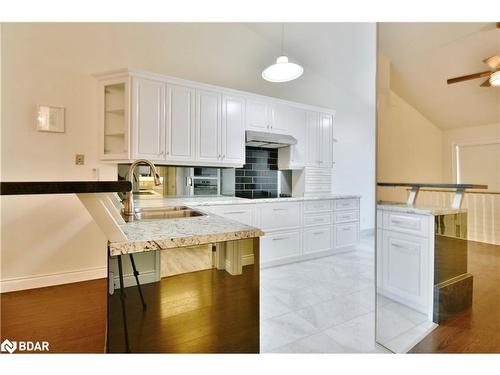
(323, 305)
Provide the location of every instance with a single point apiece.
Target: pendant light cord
(282, 39)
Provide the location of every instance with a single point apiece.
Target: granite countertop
(162, 234)
(222, 200)
(422, 210)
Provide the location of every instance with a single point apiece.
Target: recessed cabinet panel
(317, 239)
(280, 246)
(148, 119)
(233, 129)
(312, 131)
(298, 130)
(346, 235)
(180, 122)
(280, 119)
(258, 115)
(208, 124)
(326, 140)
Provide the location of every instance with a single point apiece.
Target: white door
(257, 115)
(298, 119)
(312, 137)
(180, 123)
(280, 119)
(326, 140)
(233, 129)
(208, 125)
(148, 119)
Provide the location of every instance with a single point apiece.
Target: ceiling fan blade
(486, 83)
(468, 77)
(493, 62)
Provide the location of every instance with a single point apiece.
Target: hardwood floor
(71, 317)
(475, 330)
(201, 312)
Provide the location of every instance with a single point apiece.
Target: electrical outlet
(79, 159)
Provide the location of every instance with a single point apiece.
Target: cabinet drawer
(317, 239)
(318, 206)
(406, 223)
(241, 213)
(280, 216)
(346, 216)
(317, 219)
(280, 246)
(346, 204)
(346, 235)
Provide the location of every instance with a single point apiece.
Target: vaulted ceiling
(424, 55)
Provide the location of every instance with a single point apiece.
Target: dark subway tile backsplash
(259, 176)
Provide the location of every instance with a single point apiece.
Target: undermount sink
(170, 212)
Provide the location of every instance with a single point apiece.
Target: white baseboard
(129, 279)
(40, 281)
(246, 260)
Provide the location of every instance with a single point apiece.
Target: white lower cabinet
(280, 246)
(346, 235)
(405, 261)
(318, 239)
(297, 230)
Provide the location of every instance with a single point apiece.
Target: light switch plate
(79, 159)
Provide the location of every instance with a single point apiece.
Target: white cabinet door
(312, 137)
(242, 213)
(346, 235)
(317, 239)
(208, 125)
(258, 115)
(326, 140)
(298, 122)
(180, 123)
(406, 269)
(280, 117)
(148, 119)
(278, 247)
(233, 129)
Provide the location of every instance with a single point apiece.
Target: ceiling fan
(492, 76)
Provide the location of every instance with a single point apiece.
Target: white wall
(53, 64)
(409, 146)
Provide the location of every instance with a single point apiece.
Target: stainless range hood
(268, 140)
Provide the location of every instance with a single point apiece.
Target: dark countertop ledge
(433, 185)
(63, 187)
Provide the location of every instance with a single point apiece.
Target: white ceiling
(424, 55)
(336, 52)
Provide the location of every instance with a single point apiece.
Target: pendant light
(282, 70)
(495, 78)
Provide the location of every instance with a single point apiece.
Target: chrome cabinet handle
(280, 209)
(316, 233)
(345, 229)
(279, 238)
(234, 212)
(410, 248)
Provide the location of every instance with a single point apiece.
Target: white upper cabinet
(312, 139)
(208, 126)
(180, 123)
(280, 119)
(148, 119)
(326, 140)
(233, 129)
(258, 115)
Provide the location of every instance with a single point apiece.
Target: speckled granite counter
(422, 210)
(222, 200)
(164, 234)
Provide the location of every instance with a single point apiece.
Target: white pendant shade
(495, 79)
(282, 71)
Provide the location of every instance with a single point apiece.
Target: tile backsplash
(259, 176)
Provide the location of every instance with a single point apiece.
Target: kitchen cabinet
(148, 119)
(208, 126)
(258, 115)
(180, 123)
(177, 122)
(233, 129)
(405, 258)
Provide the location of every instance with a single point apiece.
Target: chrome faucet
(128, 203)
